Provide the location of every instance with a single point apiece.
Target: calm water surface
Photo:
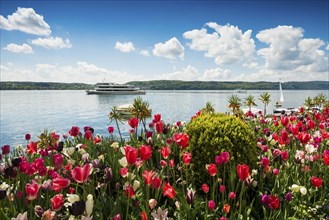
(33, 111)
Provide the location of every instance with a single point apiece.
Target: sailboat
(280, 102)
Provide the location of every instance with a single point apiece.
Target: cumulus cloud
(25, 20)
(227, 44)
(144, 53)
(288, 50)
(125, 47)
(81, 71)
(327, 48)
(191, 73)
(15, 48)
(170, 49)
(52, 43)
(216, 74)
(187, 73)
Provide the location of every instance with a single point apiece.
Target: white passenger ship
(116, 89)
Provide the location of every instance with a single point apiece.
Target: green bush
(211, 134)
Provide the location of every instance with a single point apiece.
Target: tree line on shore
(173, 85)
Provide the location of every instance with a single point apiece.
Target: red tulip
(316, 181)
(243, 171)
(212, 169)
(156, 182)
(27, 137)
(265, 161)
(58, 159)
(97, 139)
(130, 191)
(168, 191)
(133, 122)
(5, 149)
(157, 118)
(81, 174)
(304, 137)
(274, 202)
(131, 154)
(144, 216)
(232, 195)
(60, 183)
(32, 190)
(165, 151)
(148, 175)
(187, 157)
(205, 188)
(284, 121)
(88, 135)
(57, 202)
(146, 152)
(326, 159)
(284, 155)
(225, 157)
(39, 163)
(110, 129)
(159, 127)
(31, 148)
(124, 171)
(211, 205)
(181, 139)
(74, 131)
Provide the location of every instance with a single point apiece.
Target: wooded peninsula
(173, 85)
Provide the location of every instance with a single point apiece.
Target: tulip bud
(89, 205)
(152, 203)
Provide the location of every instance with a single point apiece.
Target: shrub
(211, 134)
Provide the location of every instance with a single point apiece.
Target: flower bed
(86, 176)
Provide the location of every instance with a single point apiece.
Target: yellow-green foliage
(211, 134)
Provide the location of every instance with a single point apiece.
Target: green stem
(116, 121)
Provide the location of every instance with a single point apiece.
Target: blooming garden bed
(83, 175)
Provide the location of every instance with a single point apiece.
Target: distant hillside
(215, 85)
(44, 86)
(173, 84)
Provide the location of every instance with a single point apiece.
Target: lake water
(33, 111)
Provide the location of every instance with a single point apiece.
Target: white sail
(281, 94)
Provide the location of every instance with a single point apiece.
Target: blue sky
(121, 41)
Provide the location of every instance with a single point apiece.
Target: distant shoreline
(173, 85)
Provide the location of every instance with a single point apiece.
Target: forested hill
(173, 85)
(215, 85)
(44, 86)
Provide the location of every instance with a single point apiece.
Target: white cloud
(226, 45)
(188, 73)
(170, 49)
(288, 50)
(81, 71)
(216, 74)
(125, 47)
(15, 48)
(25, 20)
(52, 43)
(327, 48)
(144, 53)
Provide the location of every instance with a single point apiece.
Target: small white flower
(310, 148)
(254, 172)
(294, 188)
(303, 190)
(101, 157)
(123, 162)
(136, 185)
(72, 198)
(89, 205)
(70, 150)
(115, 145)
